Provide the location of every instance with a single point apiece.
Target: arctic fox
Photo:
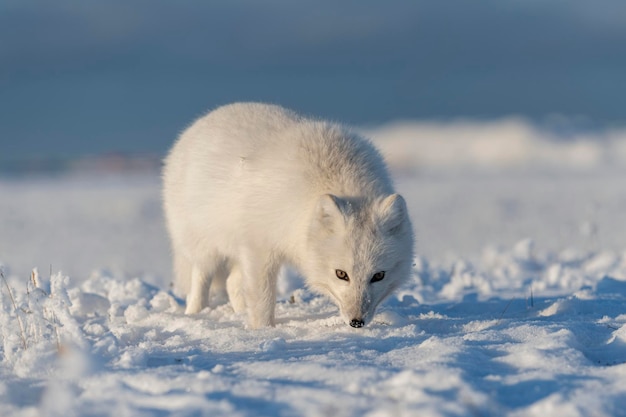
(250, 187)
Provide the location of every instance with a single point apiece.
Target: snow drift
(517, 303)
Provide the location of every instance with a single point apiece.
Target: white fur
(250, 187)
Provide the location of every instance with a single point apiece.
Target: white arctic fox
(250, 187)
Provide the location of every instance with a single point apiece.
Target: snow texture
(517, 305)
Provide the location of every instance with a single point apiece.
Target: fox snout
(357, 323)
(358, 314)
(356, 319)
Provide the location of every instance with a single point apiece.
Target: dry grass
(37, 315)
(15, 309)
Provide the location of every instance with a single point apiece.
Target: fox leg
(202, 274)
(198, 296)
(259, 275)
(235, 289)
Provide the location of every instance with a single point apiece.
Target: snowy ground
(517, 305)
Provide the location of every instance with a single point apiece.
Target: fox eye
(342, 275)
(378, 276)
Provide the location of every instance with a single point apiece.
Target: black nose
(356, 323)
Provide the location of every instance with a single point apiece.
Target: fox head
(359, 252)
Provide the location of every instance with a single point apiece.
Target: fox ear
(392, 214)
(330, 210)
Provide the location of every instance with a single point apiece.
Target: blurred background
(501, 120)
(119, 79)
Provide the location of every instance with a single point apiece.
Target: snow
(517, 305)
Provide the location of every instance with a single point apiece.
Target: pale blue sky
(85, 76)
